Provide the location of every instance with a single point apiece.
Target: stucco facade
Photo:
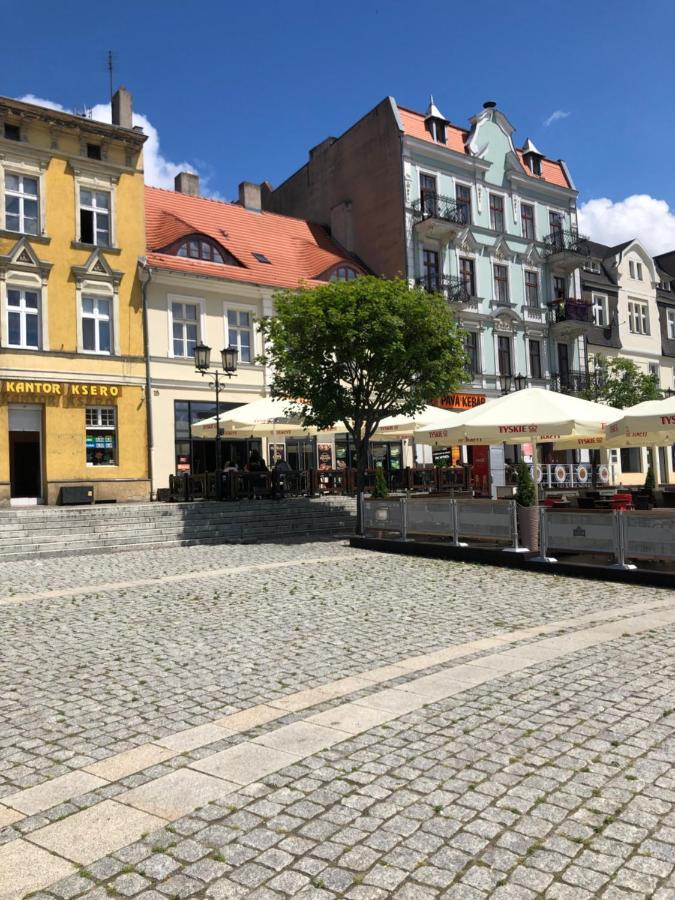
(72, 370)
(633, 310)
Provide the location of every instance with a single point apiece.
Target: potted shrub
(528, 512)
(645, 496)
(380, 490)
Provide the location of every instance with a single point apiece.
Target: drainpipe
(143, 266)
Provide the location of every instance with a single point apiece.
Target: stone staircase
(51, 530)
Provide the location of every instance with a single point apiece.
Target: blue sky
(242, 91)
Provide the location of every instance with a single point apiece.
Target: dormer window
(436, 128)
(534, 164)
(344, 273)
(592, 265)
(435, 123)
(198, 246)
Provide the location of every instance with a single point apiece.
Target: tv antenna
(109, 66)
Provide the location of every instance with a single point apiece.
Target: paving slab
(244, 763)
(96, 831)
(25, 868)
(392, 700)
(246, 719)
(43, 796)
(129, 762)
(190, 738)
(302, 739)
(351, 718)
(9, 816)
(178, 793)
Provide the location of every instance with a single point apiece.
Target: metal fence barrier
(648, 536)
(486, 520)
(622, 535)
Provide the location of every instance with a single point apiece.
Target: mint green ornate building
(494, 228)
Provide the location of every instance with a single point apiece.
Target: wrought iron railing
(454, 289)
(560, 241)
(434, 206)
(570, 309)
(574, 382)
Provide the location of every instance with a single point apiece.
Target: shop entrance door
(25, 454)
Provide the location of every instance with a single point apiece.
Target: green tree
(359, 351)
(380, 489)
(525, 494)
(620, 383)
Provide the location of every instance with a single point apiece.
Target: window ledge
(17, 235)
(78, 245)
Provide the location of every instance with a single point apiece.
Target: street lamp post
(228, 357)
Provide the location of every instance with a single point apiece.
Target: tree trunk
(361, 448)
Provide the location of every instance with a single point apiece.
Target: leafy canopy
(620, 383)
(358, 351)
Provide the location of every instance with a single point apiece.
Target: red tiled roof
(297, 250)
(413, 125)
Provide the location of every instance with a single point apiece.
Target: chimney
(187, 183)
(341, 225)
(249, 196)
(121, 108)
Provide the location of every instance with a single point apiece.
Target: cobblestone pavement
(556, 781)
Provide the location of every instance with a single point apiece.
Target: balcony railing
(434, 206)
(453, 289)
(572, 382)
(560, 241)
(570, 309)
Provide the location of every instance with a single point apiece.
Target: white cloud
(159, 171)
(638, 216)
(558, 114)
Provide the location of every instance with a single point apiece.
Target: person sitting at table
(256, 466)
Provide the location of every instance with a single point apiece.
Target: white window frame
(467, 254)
(22, 197)
(107, 211)
(102, 427)
(201, 321)
(24, 281)
(88, 181)
(184, 322)
(110, 318)
(23, 311)
(600, 301)
(512, 352)
(670, 324)
(638, 270)
(476, 376)
(638, 314)
(506, 266)
(560, 212)
(251, 310)
(14, 164)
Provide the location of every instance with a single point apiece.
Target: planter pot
(528, 527)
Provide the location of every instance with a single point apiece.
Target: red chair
(622, 501)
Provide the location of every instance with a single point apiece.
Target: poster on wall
(325, 456)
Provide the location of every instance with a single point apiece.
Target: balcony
(566, 250)
(437, 217)
(569, 317)
(572, 382)
(452, 288)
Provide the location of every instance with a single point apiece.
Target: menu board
(325, 456)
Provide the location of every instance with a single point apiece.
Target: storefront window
(101, 435)
(197, 455)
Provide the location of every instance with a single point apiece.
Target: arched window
(344, 273)
(198, 246)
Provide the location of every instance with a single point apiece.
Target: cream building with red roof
(466, 213)
(211, 269)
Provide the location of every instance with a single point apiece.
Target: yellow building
(72, 370)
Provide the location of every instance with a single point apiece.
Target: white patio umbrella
(253, 418)
(405, 425)
(532, 416)
(646, 424)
